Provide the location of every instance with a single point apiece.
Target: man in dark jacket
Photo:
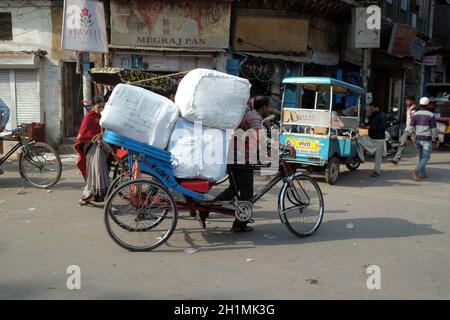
(377, 135)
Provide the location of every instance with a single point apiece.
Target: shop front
(169, 37)
(268, 48)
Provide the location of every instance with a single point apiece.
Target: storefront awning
(296, 59)
(18, 60)
(168, 50)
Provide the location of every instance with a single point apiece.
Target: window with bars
(5, 26)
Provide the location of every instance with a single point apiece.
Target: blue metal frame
(153, 161)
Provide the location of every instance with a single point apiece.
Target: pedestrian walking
(423, 124)
(92, 158)
(375, 142)
(407, 135)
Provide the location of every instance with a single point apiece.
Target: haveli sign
(189, 24)
(84, 27)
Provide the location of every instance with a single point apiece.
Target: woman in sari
(92, 158)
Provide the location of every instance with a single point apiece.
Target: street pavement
(399, 225)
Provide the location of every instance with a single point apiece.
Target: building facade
(261, 40)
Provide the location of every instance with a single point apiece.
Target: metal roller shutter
(27, 96)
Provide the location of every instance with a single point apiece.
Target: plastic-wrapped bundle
(201, 152)
(215, 98)
(140, 114)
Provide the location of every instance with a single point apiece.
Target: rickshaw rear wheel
(301, 205)
(332, 170)
(140, 215)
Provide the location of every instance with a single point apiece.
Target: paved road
(399, 225)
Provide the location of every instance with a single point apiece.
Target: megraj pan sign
(188, 24)
(84, 27)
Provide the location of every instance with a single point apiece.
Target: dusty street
(400, 225)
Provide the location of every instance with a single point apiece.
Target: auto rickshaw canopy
(324, 84)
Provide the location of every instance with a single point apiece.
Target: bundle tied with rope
(160, 84)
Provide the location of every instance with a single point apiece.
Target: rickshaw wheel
(332, 170)
(301, 205)
(140, 215)
(353, 165)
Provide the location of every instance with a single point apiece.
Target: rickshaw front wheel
(353, 164)
(301, 205)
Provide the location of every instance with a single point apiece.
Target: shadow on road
(275, 234)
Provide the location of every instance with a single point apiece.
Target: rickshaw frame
(328, 150)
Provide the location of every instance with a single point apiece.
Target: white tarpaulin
(215, 98)
(140, 114)
(84, 27)
(201, 152)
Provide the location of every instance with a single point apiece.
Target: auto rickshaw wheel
(332, 171)
(353, 164)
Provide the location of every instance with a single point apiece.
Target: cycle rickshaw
(142, 214)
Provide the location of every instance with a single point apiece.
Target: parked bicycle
(39, 163)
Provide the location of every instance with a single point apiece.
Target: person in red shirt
(92, 159)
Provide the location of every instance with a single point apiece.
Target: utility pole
(365, 73)
(86, 65)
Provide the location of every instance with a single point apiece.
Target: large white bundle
(140, 114)
(201, 152)
(215, 98)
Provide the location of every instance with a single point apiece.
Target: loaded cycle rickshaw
(142, 214)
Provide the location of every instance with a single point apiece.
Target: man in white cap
(424, 126)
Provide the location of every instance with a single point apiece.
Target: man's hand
(437, 143)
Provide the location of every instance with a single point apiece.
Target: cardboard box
(363, 132)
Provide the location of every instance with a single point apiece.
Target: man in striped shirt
(241, 179)
(423, 125)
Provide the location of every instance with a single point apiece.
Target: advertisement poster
(189, 24)
(84, 27)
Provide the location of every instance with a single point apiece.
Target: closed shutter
(27, 96)
(5, 93)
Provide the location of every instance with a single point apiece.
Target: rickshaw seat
(121, 153)
(200, 186)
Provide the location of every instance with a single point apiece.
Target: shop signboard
(84, 27)
(432, 61)
(402, 40)
(173, 24)
(271, 34)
